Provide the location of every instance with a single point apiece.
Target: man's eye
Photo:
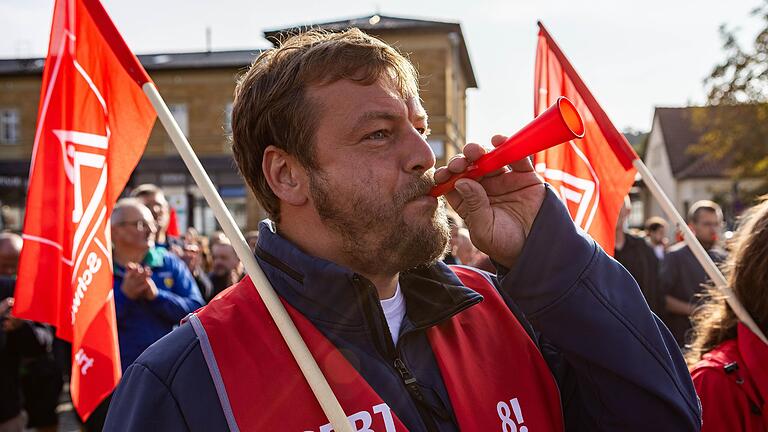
(378, 135)
(424, 131)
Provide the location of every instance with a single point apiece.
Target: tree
(735, 128)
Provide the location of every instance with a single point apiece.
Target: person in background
(681, 274)
(453, 225)
(153, 288)
(217, 237)
(639, 259)
(463, 249)
(29, 399)
(252, 237)
(227, 268)
(729, 363)
(154, 198)
(196, 257)
(656, 234)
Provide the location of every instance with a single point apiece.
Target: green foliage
(737, 127)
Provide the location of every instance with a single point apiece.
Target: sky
(633, 55)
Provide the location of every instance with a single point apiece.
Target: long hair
(747, 273)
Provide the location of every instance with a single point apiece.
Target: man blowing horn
(330, 134)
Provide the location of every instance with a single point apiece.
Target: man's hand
(499, 210)
(137, 282)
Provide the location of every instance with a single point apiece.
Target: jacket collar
(328, 293)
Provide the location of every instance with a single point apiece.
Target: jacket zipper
(410, 382)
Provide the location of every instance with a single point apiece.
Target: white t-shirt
(394, 312)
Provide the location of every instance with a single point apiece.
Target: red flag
(92, 127)
(592, 175)
(173, 224)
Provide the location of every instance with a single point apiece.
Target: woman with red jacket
(729, 363)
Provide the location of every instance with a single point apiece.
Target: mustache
(416, 189)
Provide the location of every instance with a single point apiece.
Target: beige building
(684, 176)
(198, 87)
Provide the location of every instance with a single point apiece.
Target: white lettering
(389, 422)
(93, 263)
(362, 421)
(83, 361)
(365, 419)
(505, 412)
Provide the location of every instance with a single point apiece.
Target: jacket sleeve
(723, 405)
(620, 367)
(183, 297)
(142, 402)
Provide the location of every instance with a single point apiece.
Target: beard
(375, 236)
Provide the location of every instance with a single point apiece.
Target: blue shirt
(142, 322)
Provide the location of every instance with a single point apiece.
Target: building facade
(687, 177)
(199, 87)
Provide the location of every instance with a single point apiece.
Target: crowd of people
(159, 279)
(669, 275)
(560, 333)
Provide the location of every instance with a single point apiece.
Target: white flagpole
(288, 330)
(698, 250)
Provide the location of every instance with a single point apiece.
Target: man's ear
(286, 176)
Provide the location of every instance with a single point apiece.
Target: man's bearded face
(377, 235)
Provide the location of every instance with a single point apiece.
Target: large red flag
(592, 175)
(92, 127)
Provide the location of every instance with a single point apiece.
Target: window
(228, 119)
(180, 114)
(9, 126)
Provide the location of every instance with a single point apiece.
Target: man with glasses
(682, 276)
(153, 288)
(154, 198)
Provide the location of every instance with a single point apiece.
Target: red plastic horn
(558, 124)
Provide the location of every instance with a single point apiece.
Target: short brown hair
(654, 223)
(271, 106)
(704, 206)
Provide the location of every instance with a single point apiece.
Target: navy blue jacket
(617, 366)
(140, 323)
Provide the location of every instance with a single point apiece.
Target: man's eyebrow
(385, 115)
(376, 115)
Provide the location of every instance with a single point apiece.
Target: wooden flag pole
(288, 330)
(698, 250)
(627, 156)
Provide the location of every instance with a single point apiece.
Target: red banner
(92, 127)
(592, 175)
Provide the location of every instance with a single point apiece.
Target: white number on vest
(505, 411)
(363, 421)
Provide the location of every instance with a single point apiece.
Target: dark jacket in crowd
(204, 284)
(682, 277)
(641, 262)
(29, 340)
(617, 368)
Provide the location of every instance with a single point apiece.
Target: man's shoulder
(172, 354)
(168, 388)
(678, 248)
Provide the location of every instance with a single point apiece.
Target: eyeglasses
(140, 225)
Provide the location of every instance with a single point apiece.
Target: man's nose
(421, 158)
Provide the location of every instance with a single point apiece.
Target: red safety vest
(495, 375)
